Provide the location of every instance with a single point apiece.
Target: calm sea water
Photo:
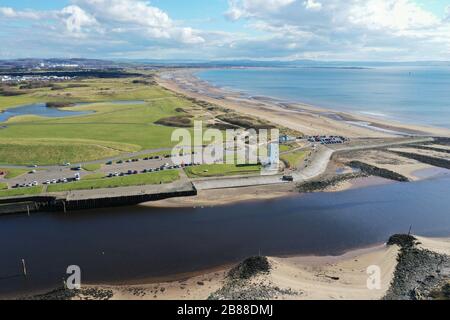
(410, 94)
(123, 244)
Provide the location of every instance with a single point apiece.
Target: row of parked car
(53, 181)
(26, 185)
(161, 168)
(167, 156)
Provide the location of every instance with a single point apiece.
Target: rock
(250, 268)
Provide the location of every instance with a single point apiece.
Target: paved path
(318, 164)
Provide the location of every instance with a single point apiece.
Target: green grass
(3, 186)
(13, 173)
(111, 130)
(20, 192)
(92, 167)
(218, 170)
(48, 151)
(134, 180)
(293, 159)
(94, 176)
(287, 147)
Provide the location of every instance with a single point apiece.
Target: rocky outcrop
(420, 274)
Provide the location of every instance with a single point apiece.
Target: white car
(35, 183)
(54, 181)
(47, 182)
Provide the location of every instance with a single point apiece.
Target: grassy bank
(20, 192)
(220, 170)
(293, 159)
(13, 173)
(57, 151)
(135, 180)
(92, 167)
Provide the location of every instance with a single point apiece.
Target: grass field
(92, 167)
(20, 192)
(112, 129)
(13, 173)
(135, 180)
(3, 186)
(94, 176)
(54, 151)
(293, 159)
(218, 170)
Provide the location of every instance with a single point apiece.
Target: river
(135, 243)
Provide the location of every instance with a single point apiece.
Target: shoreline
(341, 277)
(305, 118)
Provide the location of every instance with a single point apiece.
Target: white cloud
(132, 19)
(391, 14)
(10, 13)
(139, 16)
(247, 8)
(312, 5)
(269, 29)
(76, 19)
(358, 29)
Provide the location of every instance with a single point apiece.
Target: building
(286, 139)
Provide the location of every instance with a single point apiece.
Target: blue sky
(227, 29)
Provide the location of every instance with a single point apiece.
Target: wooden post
(24, 268)
(28, 210)
(409, 232)
(64, 205)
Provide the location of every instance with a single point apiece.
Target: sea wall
(28, 205)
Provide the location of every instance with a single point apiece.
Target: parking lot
(65, 174)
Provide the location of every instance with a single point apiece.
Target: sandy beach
(295, 278)
(309, 277)
(307, 119)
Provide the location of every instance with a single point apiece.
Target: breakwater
(437, 162)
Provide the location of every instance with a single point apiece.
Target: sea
(415, 95)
